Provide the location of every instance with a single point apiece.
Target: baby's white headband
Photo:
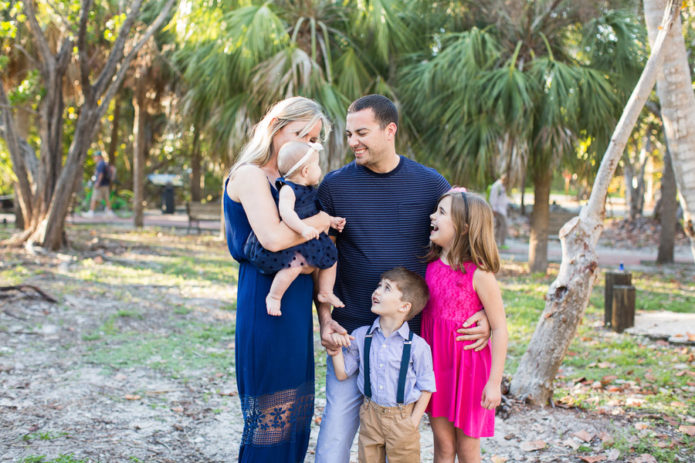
(314, 148)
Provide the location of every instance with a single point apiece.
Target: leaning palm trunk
(569, 294)
(675, 91)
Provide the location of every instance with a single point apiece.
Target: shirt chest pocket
(413, 218)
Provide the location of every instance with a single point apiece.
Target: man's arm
(475, 328)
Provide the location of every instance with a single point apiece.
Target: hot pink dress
(460, 374)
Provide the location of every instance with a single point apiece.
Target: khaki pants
(387, 431)
(101, 193)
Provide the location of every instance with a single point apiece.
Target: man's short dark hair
(384, 110)
(412, 287)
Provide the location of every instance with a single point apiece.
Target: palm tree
(239, 60)
(677, 110)
(524, 92)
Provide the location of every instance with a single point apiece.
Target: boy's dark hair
(385, 111)
(412, 287)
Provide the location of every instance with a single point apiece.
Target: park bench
(556, 220)
(198, 212)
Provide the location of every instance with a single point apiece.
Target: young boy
(395, 370)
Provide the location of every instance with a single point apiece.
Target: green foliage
(62, 458)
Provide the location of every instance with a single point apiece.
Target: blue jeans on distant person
(341, 418)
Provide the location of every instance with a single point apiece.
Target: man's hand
(476, 328)
(329, 328)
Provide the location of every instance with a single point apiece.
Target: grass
(63, 458)
(603, 372)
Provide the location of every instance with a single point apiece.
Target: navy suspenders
(405, 360)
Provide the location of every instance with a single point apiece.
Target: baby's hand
(338, 223)
(310, 233)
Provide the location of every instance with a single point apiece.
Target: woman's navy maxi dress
(274, 356)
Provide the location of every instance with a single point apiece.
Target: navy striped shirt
(387, 226)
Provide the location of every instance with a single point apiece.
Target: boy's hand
(310, 233)
(342, 340)
(338, 223)
(415, 420)
(492, 396)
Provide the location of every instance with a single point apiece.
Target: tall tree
(668, 207)
(521, 92)
(675, 90)
(568, 295)
(46, 182)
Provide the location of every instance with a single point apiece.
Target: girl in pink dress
(463, 260)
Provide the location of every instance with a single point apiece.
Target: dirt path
(135, 363)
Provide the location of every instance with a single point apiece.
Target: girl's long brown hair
(474, 238)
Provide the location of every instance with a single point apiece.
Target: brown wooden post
(623, 313)
(612, 279)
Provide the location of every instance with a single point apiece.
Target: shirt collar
(403, 331)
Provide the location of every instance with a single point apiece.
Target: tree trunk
(139, 125)
(45, 183)
(196, 158)
(667, 216)
(538, 244)
(113, 142)
(675, 91)
(569, 294)
(634, 179)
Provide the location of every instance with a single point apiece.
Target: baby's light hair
(292, 153)
(412, 286)
(474, 236)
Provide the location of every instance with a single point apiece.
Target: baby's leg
(283, 279)
(467, 448)
(326, 282)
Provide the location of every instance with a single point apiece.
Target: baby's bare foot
(272, 304)
(330, 298)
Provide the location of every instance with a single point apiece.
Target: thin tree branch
(542, 17)
(27, 55)
(39, 38)
(117, 51)
(87, 90)
(116, 81)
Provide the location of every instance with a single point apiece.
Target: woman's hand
(475, 328)
(492, 396)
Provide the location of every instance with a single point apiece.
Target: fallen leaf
(530, 446)
(677, 404)
(612, 454)
(177, 426)
(571, 443)
(606, 365)
(649, 377)
(641, 426)
(606, 380)
(644, 458)
(689, 430)
(132, 397)
(498, 459)
(98, 260)
(584, 435)
(606, 438)
(680, 373)
(588, 459)
(177, 409)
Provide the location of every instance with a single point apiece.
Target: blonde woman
(274, 355)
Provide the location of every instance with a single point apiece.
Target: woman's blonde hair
(474, 237)
(259, 149)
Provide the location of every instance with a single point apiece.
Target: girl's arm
(249, 186)
(488, 291)
(290, 217)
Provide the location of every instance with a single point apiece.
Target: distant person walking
(499, 203)
(102, 185)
